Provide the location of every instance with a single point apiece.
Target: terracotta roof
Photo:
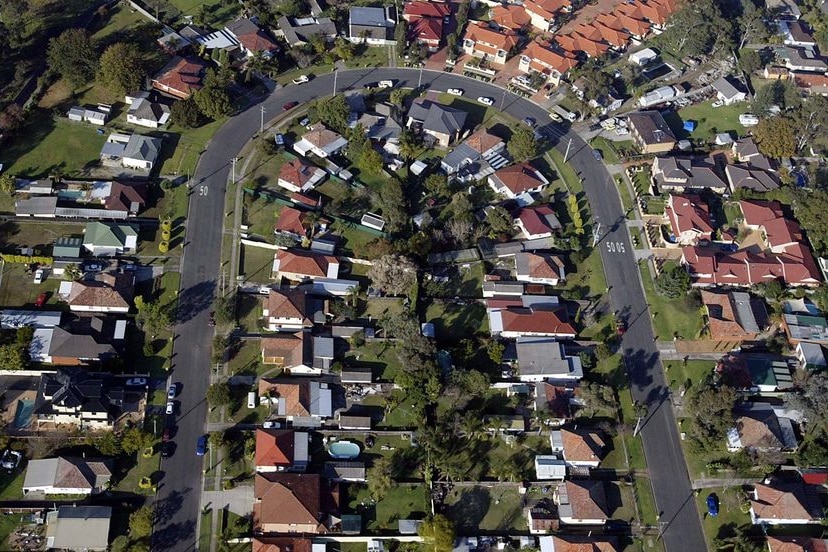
(795, 266)
(296, 171)
(583, 544)
(287, 499)
(482, 141)
(582, 445)
(543, 265)
(811, 80)
(689, 213)
(106, 290)
(483, 36)
(537, 321)
(587, 499)
(755, 433)
(180, 77)
(722, 318)
(429, 29)
(122, 196)
(291, 220)
(559, 62)
(535, 219)
(575, 42)
(281, 544)
(538, 9)
(295, 395)
(554, 398)
(780, 501)
(289, 347)
(510, 16)
(779, 230)
(274, 447)
(519, 178)
(548, 9)
(320, 136)
(414, 10)
(795, 544)
(304, 263)
(303, 199)
(286, 304)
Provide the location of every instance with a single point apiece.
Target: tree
(711, 411)
(344, 48)
(216, 439)
(775, 137)
(811, 210)
(698, 28)
(437, 185)
(597, 83)
(750, 60)
(438, 532)
(140, 522)
(812, 401)
(599, 398)
(135, 439)
(107, 443)
(380, 477)
(7, 183)
(185, 113)
(752, 25)
(409, 143)
(12, 117)
(393, 274)
(371, 161)
(121, 68)
(333, 112)
(499, 221)
(213, 100)
(13, 356)
(218, 395)
(401, 35)
(522, 146)
(495, 351)
(779, 93)
(73, 56)
(393, 205)
(152, 316)
(673, 282)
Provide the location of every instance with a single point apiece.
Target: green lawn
(376, 308)
(257, 264)
(730, 515)
(379, 356)
(369, 56)
(470, 282)
(624, 192)
(679, 371)
(249, 312)
(607, 149)
(246, 359)
(188, 144)
(646, 502)
(143, 467)
(218, 12)
(566, 172)
(19, 290)
(485, 509)
(670, 316)
(454, 322)
(709, 120)
(205, 531)
(119, 18)
(354, 241)
(11, 484)
(260, 216)
(400, 502)
(589, 276)
(264, 171)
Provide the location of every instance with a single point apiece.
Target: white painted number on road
(202, 190)
(615, 247)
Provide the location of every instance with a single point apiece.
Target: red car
(166, 435)
(290, 105)
(41, 299)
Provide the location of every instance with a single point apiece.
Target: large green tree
(394, 274)
(438, 533)
(775, 137)
(333, 112)
(140, 522)
(218, 395)
(673, 282)
(213, 99)
(121, 68)
(185, 113)
(73, 56)
(698, 28)
(152, 316)
(522, 146)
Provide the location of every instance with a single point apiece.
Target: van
(251, 399)
(386, 84)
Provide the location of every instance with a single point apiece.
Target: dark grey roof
(76, 388)
(192, 32)
(45, 205)
(369, 17)
(242, 26)
(461, 155)
(750, 312)
(438, 118)
(543, 356)
(651, 127)
(145, 109)
(297, 31)
(145, 148)
(725, 87)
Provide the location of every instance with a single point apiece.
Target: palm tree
(409, 145)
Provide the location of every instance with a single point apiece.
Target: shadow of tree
(470, 509)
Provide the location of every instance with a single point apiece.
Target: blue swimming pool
(23, 415)
(343, 450)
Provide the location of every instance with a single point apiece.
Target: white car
(170, 410)
(555, 117)
(455, 91)
(386, 84)
(38, 276)
(485, 101)
(748, 119)
(620, 131)
(718, 103)
(301, 79)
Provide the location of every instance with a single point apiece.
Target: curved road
(178, 503)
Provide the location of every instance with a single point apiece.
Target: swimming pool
(343, 450)
(23, 415)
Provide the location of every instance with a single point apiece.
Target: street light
(334, 88)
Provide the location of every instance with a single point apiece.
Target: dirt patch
(57, 94)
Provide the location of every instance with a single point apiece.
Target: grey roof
(749, 311)
(356, 101)
(651, 127)
(354, 422)
(680, 172)
(811, 328)
(242, 27)
(11, 319)
(726, 88)
(813, 353)
(67, 246)
(67, 473)
(750, 178)
(345, 471)
(503, 288)
(43, 205)
(356, 376)
(93, 342)
(145, 148)
(192, 32)
(151, 111)
(438, 118)
(543, 356)
(300, 30)
(79, 527)
(409, 526)
(369, 17)
(460, 155)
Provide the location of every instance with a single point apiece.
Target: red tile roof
(510, 16)
(483, 36)
(305, 263)
(258, 41)
(722, 320)
(583, 544)
(534, 321)
(519, 178)
(286, 304)
(291, 220)
(414, 10)
(534, 220)
(768, 215)
(587, 498)
(281, 544)
(296, 172)
(427, 29)
(180, 77)
(582, 445)
(560, 62)
(292, 499)
(575, 42)
(707, 266)
(689, 213)
(781, 501)
(482, 141)
(274, 447)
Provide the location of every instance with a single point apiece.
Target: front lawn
(730, 515)
(468, 282)
(681, 371)
(671, 317)
(19, 290)
(256, 264)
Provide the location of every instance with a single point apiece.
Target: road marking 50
(202, 190)
(615, 247)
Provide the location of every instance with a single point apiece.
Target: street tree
(152, 316)
(121, 68)
(7, 183)
(213, 99)
(185, 113)
(135, 439)
(140, 522)
(438, 532)
(522, 146)
(218, 395)
(72, 55)
(673, 282)
(394, 274)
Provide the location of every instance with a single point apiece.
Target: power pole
(595, 233)
(261, 124)
(233, 164)
(503, 99)
(566, 155)
(334, 88)
(420, 80)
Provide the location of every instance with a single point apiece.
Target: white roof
(12, 319)
(548, 466)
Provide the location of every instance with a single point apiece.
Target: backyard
(485, 508)
(709, 121)
(403, 501)
(453, 322)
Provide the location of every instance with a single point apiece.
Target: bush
(163, 247)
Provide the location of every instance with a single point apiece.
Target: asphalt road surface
(178, 502)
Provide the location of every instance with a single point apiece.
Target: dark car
(166, 435)
(167, 449)
(41, 299)
(597, 155)
(616, 527)
(531, 122)
(290, 105)
(712, 505)
(201, 446)
(371, 85)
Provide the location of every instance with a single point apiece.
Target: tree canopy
(673, 282)
(73, 56)
(213, 99)
(438, 532)
(152, 316)
(775, 137)
(140, 522)
(121, 68)
(394, 274)
(698, 28)
(522, 146)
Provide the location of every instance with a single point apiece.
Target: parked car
(136, 382)
(455, 91)
(305, 123)
(371, 85)
(41, 299)
(201, 446)
(531, 122)
(166, 435)
(597, 155)
(301, 79)
(167, 449)
(280, 140)
(11, 459)
(712, 505)
(38, 276)
(290, 105)
(170, 410)
(386, 84)
(92, 267)
(718, 103)
(172, 391)
(485, 100)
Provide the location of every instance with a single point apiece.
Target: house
(374, 26)
(727, 91)
(557, 402)
(801, 59)
(574, 543)
(131, 151)
(767, 217)
(286, 311)
(542, 59)
(482, 42)
(298, 31)
(549, 467)
(252, 39)
(78, 528)
(513, 322)
(543, 517)
(643, 57)
(811, 356)
(582, 502)
(345, 472)
(576, 42)
(543, 14)
(106, 292)
(580, 448)
(292, 222)
(296, 400)
(145, 112)
(759, 429)
(299, 176)
(796, 544)
(734, 315)
(88, 115)
(320, 141)
(746, 151)
(298, 265)
(689, 217)
(181, 77)
(294, 503)
(805, 327)
(510, 17)
(708, 267)
(679, 175)
(784, 503)
(281, 450)
(539, 268)
(86, 340)
(426, 21)
(298, 353)
(283, 544)
(476, 154)
(76, 397)
(650, 132)
(67, 476)
(537, 222)
(67, 246)
(13, 319)
(749, 178)
(542, 359)
(517, 179)
(756, 373)
(381, 127)
(129, 199)
(796, 33)
(442, 123)
(104, 239)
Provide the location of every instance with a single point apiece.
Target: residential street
(179, 498)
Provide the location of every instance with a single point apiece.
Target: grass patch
(249, 312)
(680, 371)
(379, 307)
(589, 275)
(670, 316)
(265, 173)
(481, 508)
(565, 171)
(607, 149)
(709, 120)
(218, 12)
(641, 181)
(189, 145)
(257, 264)
(730, 515)
(205, 531)
(246, 360)
(143, 467)
(453, 322)
(19, 290)
(624, 192)
(379, 356)
(400, 502)
(119, 18)
(354, 242)
(260, 216)
(469, 281)
(11, 484)
(369, 56)
(646, 502)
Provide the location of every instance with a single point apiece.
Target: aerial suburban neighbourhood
(414, 276)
